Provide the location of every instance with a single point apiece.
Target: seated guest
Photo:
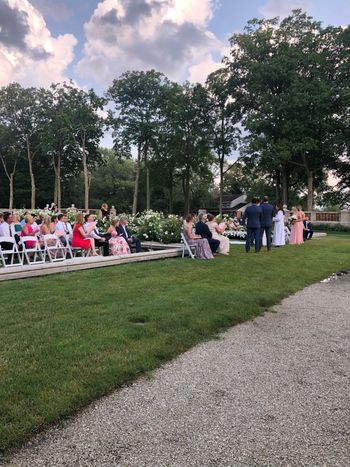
(36, 223)
(53, 223)
(308, 230)
(46, 229)
(93, 232)
(217, 233)
(17, 223)
(122, 230)
(1, 218)
(203, 230)
(23, 220)
(203, 250)
(63, 229)
(79, 237)
(7, 230)
(117, 244)
(28, 230)
(105, 210)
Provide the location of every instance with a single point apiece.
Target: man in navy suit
(123, 231)
(203, 230)
(252, 218)
(308, 230)
(266, 222)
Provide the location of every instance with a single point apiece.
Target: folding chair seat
(33, 254)
(7, 252)
(191, 249)
(54, 248)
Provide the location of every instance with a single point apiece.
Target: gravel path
(272, 392)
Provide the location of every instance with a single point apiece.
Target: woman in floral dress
(117, 244)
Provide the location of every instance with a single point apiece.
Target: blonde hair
(27, 218)
(47, 220)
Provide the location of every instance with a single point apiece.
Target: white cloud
(168, 35)
(283, 8)
(28, 52)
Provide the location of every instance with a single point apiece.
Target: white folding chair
(32, 254)
(7, 253)
(72, 251)
(54, 249)
(191, 249)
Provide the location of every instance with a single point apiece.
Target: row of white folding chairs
(32, 253)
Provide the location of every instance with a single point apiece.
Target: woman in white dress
(279, 237)
(217, 231)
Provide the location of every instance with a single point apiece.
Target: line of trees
(281, 98)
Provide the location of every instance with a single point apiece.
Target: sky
(92, 42)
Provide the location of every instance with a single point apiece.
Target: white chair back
(9, 253)
(33, 253)
(54, 249)
(191, 249)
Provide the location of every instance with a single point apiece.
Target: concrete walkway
(272, 392)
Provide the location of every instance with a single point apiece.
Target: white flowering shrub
(155, 226)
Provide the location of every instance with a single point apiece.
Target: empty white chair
(33, 254)
(191, 249)
(9, 252)
(54, 249)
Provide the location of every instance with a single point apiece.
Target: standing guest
(266, 222)
(203, 250)
(217, 233)
(79, 238)
(122, 230)
(252, 218)
(308, 230)
(117, 244)
(105, 211)
(100, 241)
(279, 236)
(203, 230)
(297, 227)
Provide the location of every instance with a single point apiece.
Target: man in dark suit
(203, 230)
(308, 230)
(122, 230)
(252, 218)
(266, 221)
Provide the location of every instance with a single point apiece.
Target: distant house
(230, 205)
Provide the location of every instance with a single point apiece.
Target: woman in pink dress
(297, 228)
(29, 230)
(117, 244)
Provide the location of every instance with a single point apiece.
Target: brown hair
(189, 217)
(79, 218)
(210, 217)
(115, 222)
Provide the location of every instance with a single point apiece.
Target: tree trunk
(278, 187)
(171, 193)
(137, 178)
(31, 173)
(148, 183)
(58, 178)
(284, 182)
(55, 188)
(221, 161)
(187, 189)
(310, 190)
(86, 172)
(10, 176)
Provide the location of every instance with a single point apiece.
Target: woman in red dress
(80, 239)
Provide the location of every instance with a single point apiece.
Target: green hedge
(331, 227)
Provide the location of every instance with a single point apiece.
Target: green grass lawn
(68, 339)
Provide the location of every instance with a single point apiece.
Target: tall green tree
(136, 118)
(224, 117)
(282, 74)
